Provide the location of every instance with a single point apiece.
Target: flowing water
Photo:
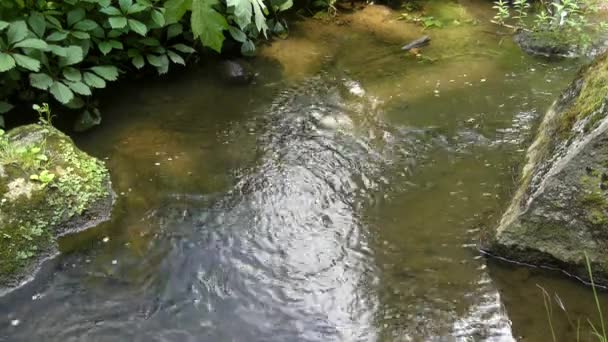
(338, 198)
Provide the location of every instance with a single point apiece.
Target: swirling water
(339, 198)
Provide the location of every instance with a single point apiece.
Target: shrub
(64, 50)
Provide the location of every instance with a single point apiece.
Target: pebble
(15, 322)
(157, 164)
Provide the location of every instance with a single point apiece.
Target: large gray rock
(560, 210)
(48, 188)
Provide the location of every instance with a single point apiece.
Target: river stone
(535, 43)
(34, 215)
(560, 210)
(236, 72)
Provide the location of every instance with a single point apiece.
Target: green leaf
(154, 60)
(283, 5)
(150, 41)
(53, 21)
(5, 107)
(86, 25)
(175, 58)
(72, 74)
(175, 10)
(111, 10)
(242, 11)
(164, 65)
(108, 72)
(27, 62)
(248, 48)
(87, 120)
(138, 61)
(75, 16)
(74, 55)
(80, 88)
(37, 23)
(32, 43)
(61, 92)
(57, 36)
(183, 48)
(93, 80)
(17, 31)
(237, 34)
(58, 50)
(136, 8)
(137, 26)
(76, 103)
(158, 18)
(118, 22)
(81, 35)
(3, 25)
(105, 47)
(41, 81)
(208, 24)
(260, 18)
(116, 44)
(125, 5)
(174, 30)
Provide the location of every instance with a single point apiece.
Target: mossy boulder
(557, 44)
(560, 210)
(48, 188)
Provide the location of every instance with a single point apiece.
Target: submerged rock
(236, 72)
(551, 45)
(560, 210)
(48, 188)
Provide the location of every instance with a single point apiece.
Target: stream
(340, 197)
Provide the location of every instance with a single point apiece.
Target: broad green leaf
(242, 11)
(27, 62)
(139, 27)
(158, 18)
(72, 74)
(183, 48)
(75, 16)
(5, 107)
(159, 50)
(58, 50)
(174, 30)
(116, 33)
(118, 22)
(125, 5)
(164, 65)
(87, 120)
(32, 43)
(175, 10)
(76, 103)
(57, 36)
(3, 25)
(138, 61)
(80, 88)
(37, 23)
(103, 3)
(86, 25)
(208, 24)
(81, 35)
(281, 5)
(105, 47)
(248, 48)
(116, 44)
(111, 10)
(41, 81)
(154, 60)
(17, 31)
(260, 18)
(61, 92)
(175, 58)
(237, 34)
(93, 80)
(108, 72)
(150, 41)
(74, 55)
(136, 8)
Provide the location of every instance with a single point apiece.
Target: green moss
(593, 199)
(29, 225)
(593, 94)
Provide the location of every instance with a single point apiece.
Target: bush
(66, 49)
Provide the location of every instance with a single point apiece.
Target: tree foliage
(64, 50)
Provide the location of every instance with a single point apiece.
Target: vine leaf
(208, 24)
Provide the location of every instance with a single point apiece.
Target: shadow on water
(339, 198)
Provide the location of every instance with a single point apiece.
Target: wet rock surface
(560, 211)
(48, 188)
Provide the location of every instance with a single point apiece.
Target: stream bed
(339, 197)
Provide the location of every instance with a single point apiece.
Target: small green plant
(502, 12)
(521, 10)
(45, 177)
(44, 114)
